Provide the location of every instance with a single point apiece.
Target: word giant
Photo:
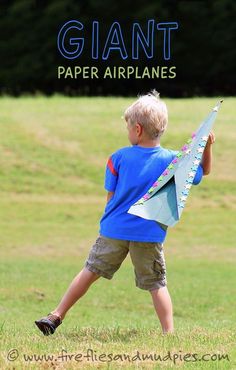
(71, 42)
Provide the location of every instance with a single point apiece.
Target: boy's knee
(94, 274)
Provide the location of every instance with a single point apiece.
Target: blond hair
(150, 112)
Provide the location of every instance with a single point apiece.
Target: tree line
(123, 43)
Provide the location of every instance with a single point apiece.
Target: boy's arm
(207, 155)
(110, 195)
(112, 174)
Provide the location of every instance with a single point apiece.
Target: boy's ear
(139, 128)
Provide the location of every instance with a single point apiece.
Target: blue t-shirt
(130, 172)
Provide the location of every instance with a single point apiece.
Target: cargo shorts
(107, 255)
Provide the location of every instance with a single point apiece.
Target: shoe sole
(45, 328)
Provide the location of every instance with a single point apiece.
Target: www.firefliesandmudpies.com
(91, 355)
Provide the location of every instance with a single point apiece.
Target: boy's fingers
(211, 138)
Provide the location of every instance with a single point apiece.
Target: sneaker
(48, 324)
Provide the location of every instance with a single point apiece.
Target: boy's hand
(211, 139)
(207, 154)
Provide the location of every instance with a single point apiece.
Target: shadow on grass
(105, 335)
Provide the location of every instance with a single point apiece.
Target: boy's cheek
(132, 140)
(130, 137)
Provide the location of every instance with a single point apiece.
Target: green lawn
(53, 153)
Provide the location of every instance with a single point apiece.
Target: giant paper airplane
(165, 200)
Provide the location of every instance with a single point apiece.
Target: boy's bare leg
(163, 306)
(77, 289)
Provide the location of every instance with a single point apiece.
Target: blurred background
(202, 49)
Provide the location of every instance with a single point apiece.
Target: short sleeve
(112, 172)
(198, 177)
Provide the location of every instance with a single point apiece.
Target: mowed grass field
(53, 153)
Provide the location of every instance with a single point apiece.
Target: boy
(130, 172)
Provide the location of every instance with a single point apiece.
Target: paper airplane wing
(165, 200)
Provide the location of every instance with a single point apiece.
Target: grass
(53, 153)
